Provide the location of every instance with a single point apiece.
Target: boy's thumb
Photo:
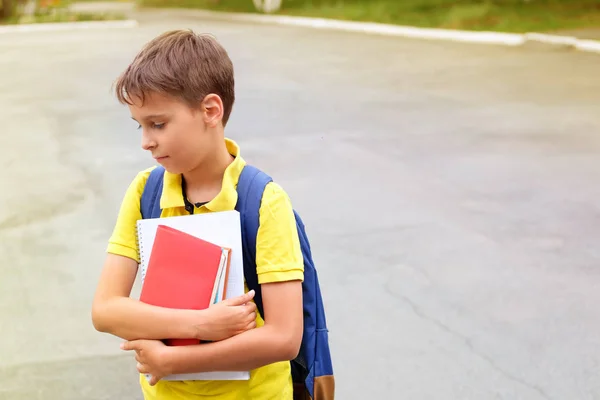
(241, 300)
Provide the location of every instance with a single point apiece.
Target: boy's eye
(154, 126)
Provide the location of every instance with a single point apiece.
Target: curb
(591, 46)
(569, 41)
(484, 37)
(507, 39)
(67, 26)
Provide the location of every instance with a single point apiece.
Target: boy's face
(174, 133)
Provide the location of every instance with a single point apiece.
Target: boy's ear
(212, 107)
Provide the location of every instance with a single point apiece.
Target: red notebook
(184, 272)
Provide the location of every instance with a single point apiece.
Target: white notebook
(221, 228)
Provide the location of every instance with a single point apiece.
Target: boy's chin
(170, 168)
(173, 171)
(175, 168)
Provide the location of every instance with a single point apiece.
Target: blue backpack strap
(312, 370)
(251, 185)
(150, 201)
(313, 366)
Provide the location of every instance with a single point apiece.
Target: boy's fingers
(141, 369)
(130, 345)
(240, 300)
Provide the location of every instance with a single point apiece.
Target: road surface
(450, 192)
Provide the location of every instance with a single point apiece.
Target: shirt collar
(225, 200)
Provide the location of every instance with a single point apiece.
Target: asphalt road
(450, 192)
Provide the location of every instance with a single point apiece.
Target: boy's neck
(208, 177)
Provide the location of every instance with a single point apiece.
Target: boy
(180, 90)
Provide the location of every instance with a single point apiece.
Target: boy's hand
(151, 357)
(228, 318)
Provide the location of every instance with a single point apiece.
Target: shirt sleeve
(123, 240)
(278, 253)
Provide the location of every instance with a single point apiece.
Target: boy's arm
(114, 312)
(278, 340)
(280, 269)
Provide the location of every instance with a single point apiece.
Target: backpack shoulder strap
(250, 188)
(150, 201)
(312, 369)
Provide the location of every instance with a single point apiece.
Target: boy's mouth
(160, 158)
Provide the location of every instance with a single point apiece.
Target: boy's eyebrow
(153, 116)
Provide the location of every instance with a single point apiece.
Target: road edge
(482, 37)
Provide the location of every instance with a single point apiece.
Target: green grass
(58, 11)
(62, 16)
(502, 15)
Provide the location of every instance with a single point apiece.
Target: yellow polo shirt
(278, 259)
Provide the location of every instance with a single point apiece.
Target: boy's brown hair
(182, 64)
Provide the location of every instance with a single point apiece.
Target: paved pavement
(450, 191)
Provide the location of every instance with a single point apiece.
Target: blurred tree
(6, 9)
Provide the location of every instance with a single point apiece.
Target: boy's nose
(147, 142)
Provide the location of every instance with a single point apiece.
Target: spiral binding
(141, 251)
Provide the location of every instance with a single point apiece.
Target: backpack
(312, 369)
